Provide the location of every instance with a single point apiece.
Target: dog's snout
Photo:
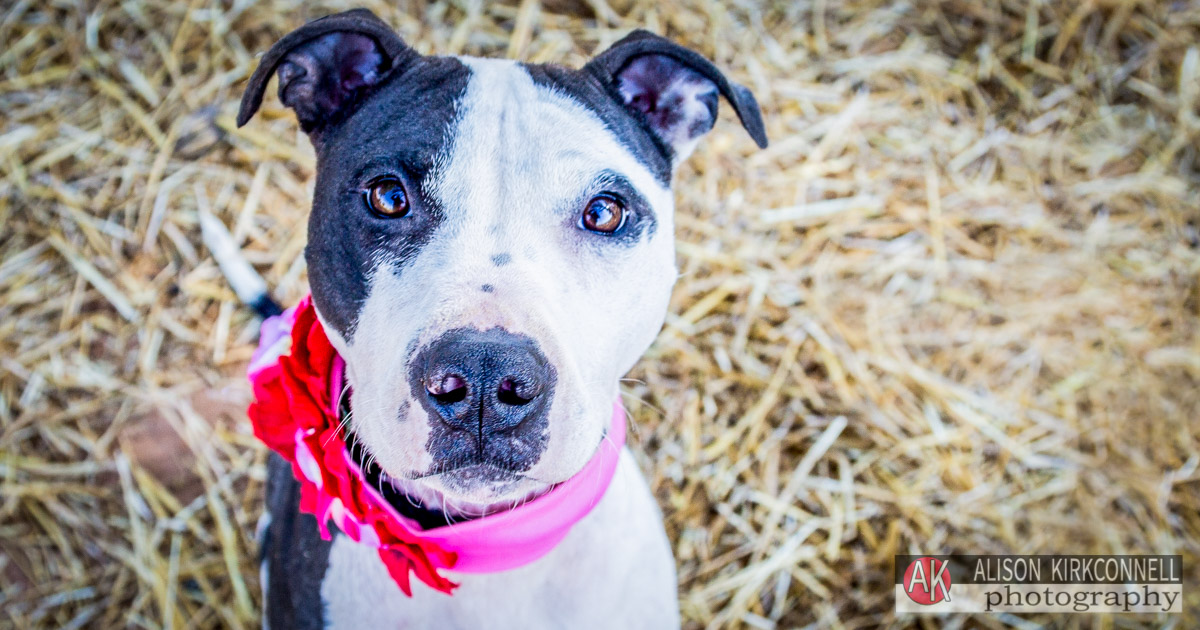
(483, 382)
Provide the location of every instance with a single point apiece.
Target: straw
(952, 308)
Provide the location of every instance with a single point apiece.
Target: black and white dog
(470, 208)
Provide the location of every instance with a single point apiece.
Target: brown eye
(386, 198)
(603, 214)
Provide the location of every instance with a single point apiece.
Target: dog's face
(491, 243)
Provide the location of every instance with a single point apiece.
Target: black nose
(486, 385)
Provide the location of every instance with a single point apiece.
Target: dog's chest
(614, 569)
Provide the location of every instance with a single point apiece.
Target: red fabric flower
(292, 407)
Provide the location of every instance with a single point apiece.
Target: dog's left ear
(674, 89)
(326, 66)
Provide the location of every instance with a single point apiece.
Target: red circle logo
(927, 581)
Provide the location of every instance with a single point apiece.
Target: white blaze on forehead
(520, 141)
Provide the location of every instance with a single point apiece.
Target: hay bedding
(953, 307)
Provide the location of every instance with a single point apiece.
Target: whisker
(343, 421)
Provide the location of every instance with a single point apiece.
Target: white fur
(614, 570)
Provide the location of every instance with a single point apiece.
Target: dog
(490, 248)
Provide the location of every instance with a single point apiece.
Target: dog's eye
(604, 214)
(386, 198)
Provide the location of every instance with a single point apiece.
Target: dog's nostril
(482, 382)
(514, 392)
(447, 389)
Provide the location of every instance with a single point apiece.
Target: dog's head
(491, 243)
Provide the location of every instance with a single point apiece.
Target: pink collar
(496, 542)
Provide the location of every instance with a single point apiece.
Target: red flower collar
(295, 413)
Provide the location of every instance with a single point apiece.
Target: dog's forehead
(518, 140)
(418, 113)
(584, 90)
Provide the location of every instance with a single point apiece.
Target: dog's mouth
(429, 508)
(473, 475)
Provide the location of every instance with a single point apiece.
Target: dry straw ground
(952, 308)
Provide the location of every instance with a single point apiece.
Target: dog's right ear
(326, 66)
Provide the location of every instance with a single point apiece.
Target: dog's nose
(483, 381)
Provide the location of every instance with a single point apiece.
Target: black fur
(372, 106)
(396, 133)
(265, 306)
(295, 554)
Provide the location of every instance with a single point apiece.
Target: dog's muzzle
(488, 395)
